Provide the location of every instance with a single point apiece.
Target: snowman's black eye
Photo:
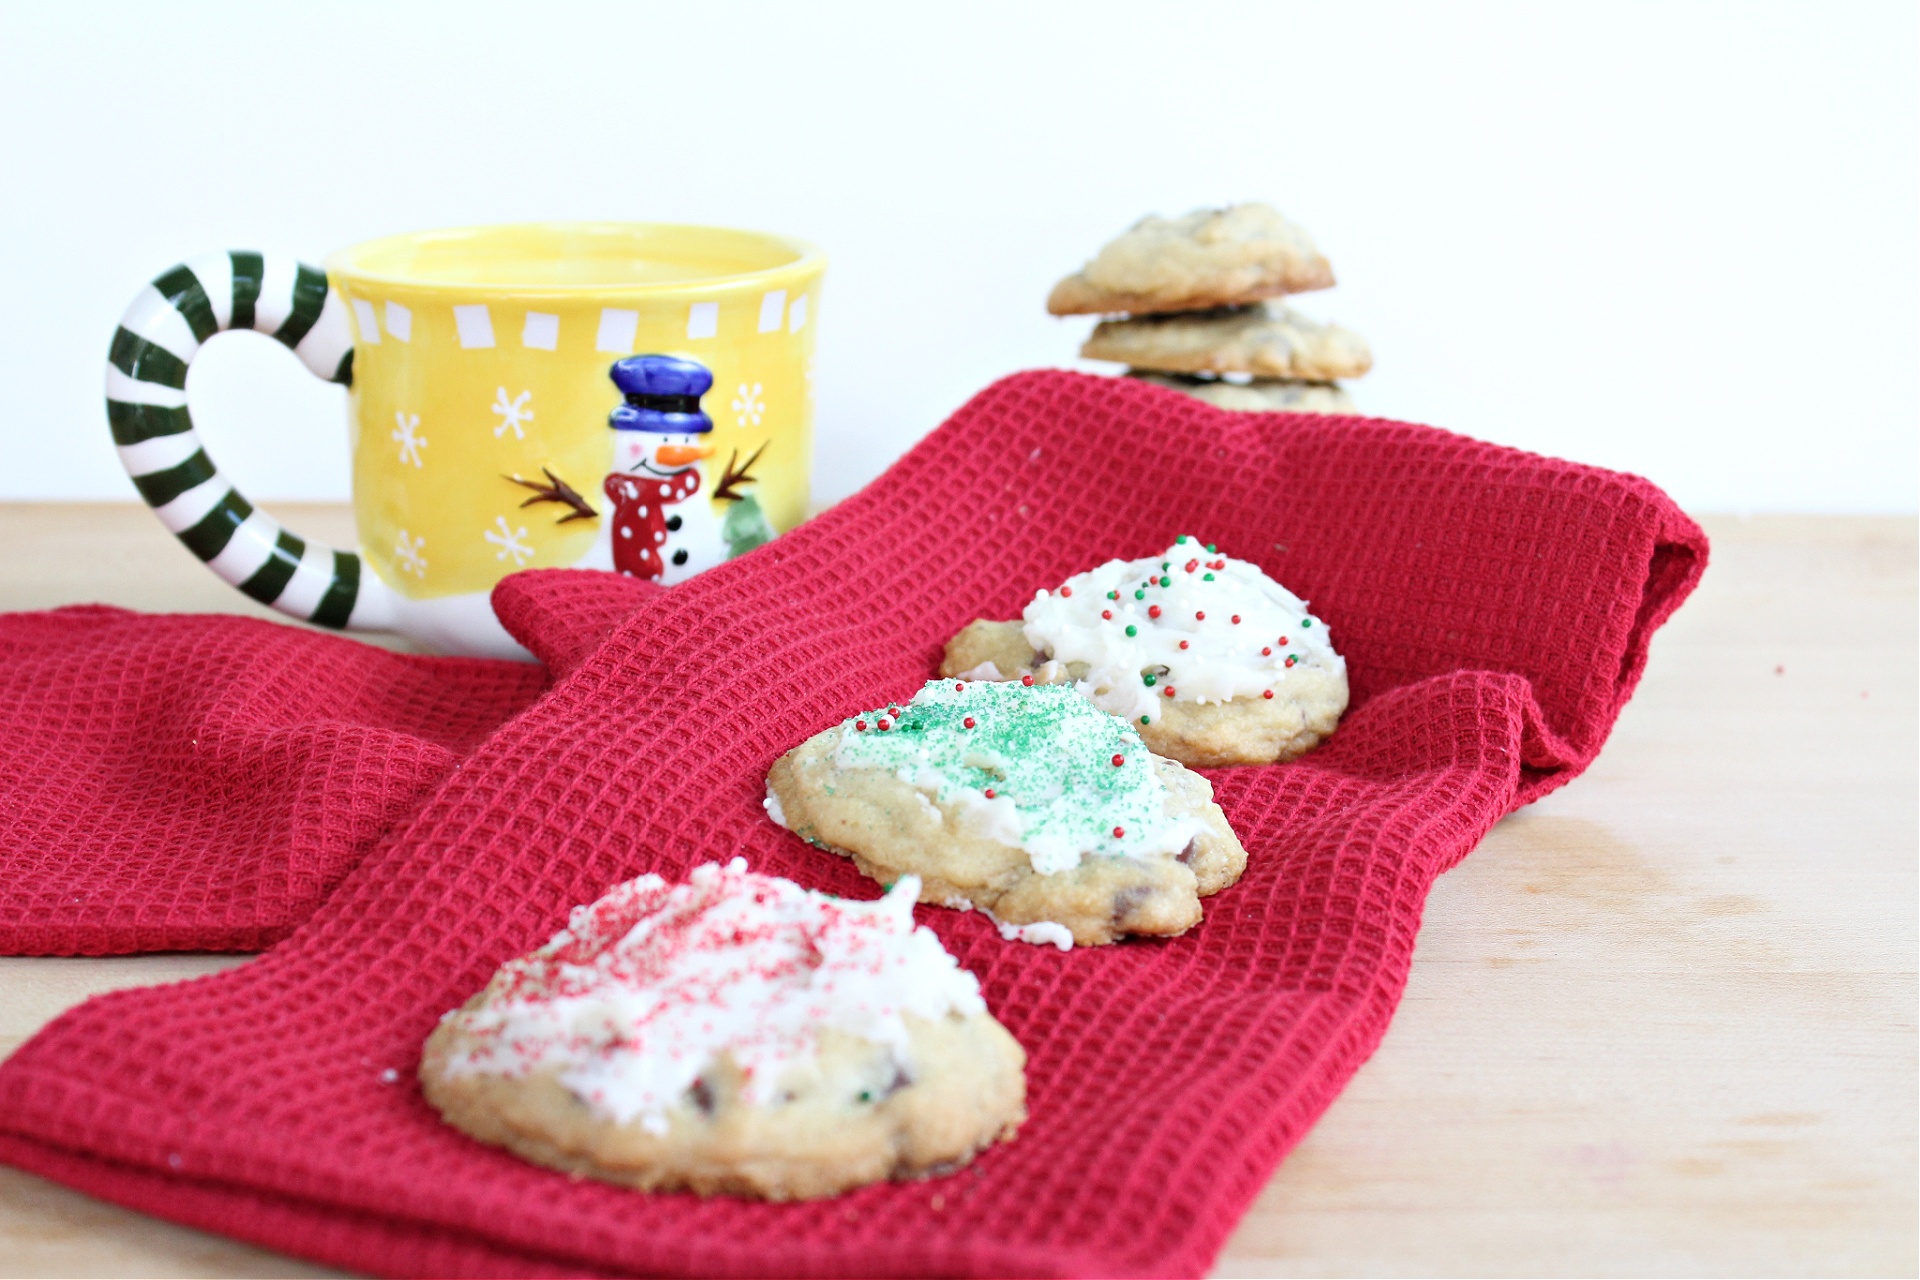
(680, 556)
(673, 524)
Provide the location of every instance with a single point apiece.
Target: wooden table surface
(1661, 1022)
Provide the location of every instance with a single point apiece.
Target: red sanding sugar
(1494, 608)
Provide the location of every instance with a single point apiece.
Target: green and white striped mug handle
(162, 330)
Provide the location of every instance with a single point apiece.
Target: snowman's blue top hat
(663, 394)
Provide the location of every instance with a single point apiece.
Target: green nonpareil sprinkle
(1150, 679)
(1305, 623)
(1182, 541)
(1206, 577)
(1139, 595)
(1166, 582)
(1146, 719)
(1132, 630)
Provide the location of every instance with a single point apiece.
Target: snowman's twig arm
(557, 491)
(729, 487)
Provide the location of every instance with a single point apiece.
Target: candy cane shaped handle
(162, 330)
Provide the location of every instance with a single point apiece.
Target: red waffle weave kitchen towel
(201, 783)
(1494, 608)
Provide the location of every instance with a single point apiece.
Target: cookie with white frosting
(1261, 395)
(1208, 258)
(736, 1034)
(1211, 660)
(1021, 800)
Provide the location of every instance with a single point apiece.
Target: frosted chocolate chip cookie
(1208, 258)
(1262, 395)
(735, 1035)
(1212, 660)
(1269, 340)
(1021, 800)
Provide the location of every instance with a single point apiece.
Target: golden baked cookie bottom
(1208, 258)
(849, 1117)
(1270, 341)
(1304, 708)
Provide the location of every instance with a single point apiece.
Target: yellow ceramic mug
(623, 396)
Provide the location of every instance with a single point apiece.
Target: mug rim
(345, 262)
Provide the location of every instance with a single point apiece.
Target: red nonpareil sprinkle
(1267, 694)
(959, 687)
(1169, 691)
(989, 793)
(1118, 761)
(1283, 642)
(1192, 565)
(1153, 611)
(1067, 592)
(1236, 619)
(1200, 615)
(860, 726)
(1183, 644)
(1118, 832)
(1107, 614)
(1027, 681)
(1289, 659)
(1267, 652)
(967, 723)
(885, 724)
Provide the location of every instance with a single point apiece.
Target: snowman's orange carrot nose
(679, 455)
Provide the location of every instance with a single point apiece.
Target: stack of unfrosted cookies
(1200, 301)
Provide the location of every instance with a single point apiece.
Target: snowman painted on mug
(662, 527)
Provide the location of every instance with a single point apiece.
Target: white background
(1674, 238)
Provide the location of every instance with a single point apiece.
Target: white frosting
(645, 988)
(1044, 933)
(1087, 620)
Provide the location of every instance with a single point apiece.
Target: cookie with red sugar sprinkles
(736, 1034)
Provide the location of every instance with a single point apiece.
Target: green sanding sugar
(1046, 753)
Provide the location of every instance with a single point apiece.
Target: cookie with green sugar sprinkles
(1020, 799)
